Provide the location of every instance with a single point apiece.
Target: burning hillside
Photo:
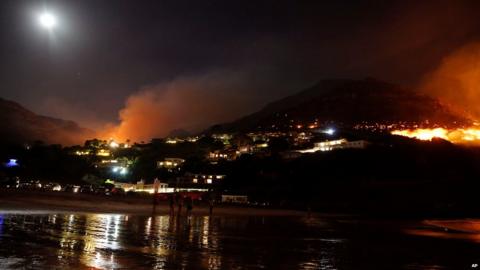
(455, 81)
(458, 136)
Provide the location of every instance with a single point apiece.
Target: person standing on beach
(189, 205)
(210, 204)
(156, 185)
(171, 199)
(180, 204)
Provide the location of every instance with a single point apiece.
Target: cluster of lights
(82, 153)
(103, 153)
(120, 170)
(109, 161)
(168, 163)
(218, 155)
(208, 179)
(113, 144)
(171, 162)
(180, 140)
(334, 145)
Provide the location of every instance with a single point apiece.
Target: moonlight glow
(47, 20)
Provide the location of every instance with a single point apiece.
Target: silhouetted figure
(154, 203)
(180, 204)
(154, 199)
(171, 200)
(210, 204)
(189, 205)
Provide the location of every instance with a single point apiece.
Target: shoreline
(33, 201)
(13, 201)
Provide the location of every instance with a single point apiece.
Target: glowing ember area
(461, 135)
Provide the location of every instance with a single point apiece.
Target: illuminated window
(195, 180)
(209, 181)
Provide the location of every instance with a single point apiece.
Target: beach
(46, 201)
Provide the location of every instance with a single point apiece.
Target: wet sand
(38, 201)
(35, 240)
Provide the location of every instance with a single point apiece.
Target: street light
(330, 131)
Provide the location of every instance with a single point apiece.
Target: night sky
(190, 64)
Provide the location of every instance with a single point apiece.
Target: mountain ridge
(21, 125)
(349, 102)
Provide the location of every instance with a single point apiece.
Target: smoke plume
(457, 79)
(190, 103)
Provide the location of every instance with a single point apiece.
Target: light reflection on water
(108, 241)
(464, 229)
(1, 225)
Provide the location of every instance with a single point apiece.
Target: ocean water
(110, 241)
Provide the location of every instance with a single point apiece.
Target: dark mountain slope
(350, 102)
(20, 125)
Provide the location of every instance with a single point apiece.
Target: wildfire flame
(460, 135)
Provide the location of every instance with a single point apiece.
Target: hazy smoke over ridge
(190, 103)
(408, 41)
(457, 79)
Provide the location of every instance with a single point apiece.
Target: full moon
(47, 20)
